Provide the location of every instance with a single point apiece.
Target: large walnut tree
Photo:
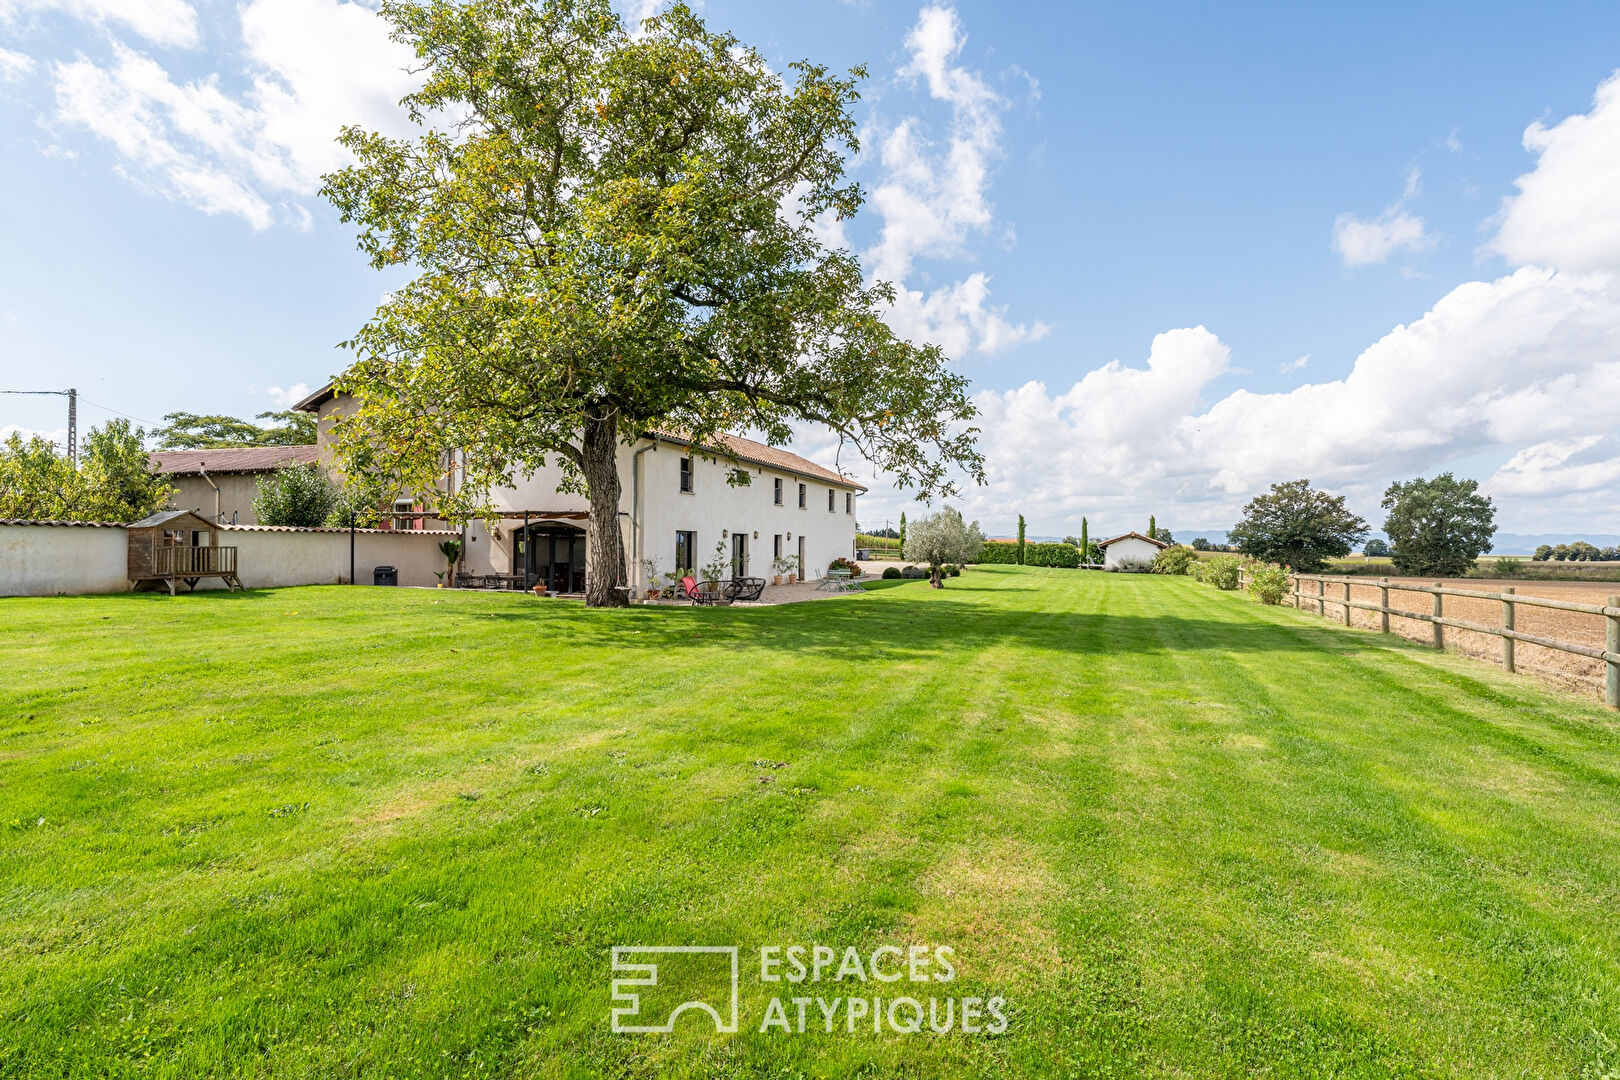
(612, 232)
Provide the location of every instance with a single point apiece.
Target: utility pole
(73, 416)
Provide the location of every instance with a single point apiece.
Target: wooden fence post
(1611, 685)
(1507, 624)
(1439, 610)
(1347, 603)
(1321, 593)
(1383, 602)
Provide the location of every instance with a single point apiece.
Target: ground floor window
(685, 552)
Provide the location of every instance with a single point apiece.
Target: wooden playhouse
(174, 546)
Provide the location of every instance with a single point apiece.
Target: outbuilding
(1131, 547)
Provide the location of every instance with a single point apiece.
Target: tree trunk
(604, 545)
(934, 579)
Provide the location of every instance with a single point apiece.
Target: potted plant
(650, 575)
(783, 569)
(451, 549)
(719, 569)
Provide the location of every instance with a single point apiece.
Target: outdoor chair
(745, 589)
(704, 592)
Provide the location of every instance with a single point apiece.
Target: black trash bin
(385, 575)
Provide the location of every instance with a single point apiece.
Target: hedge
(1001, 551)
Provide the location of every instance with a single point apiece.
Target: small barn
(174, 546)
(1128, 548)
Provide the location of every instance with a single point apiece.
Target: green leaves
(1297, 526)
(615, 228)
(1438, 526)
(110, 483)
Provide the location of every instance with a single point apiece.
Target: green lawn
(395, 833)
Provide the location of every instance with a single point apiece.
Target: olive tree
(942, 539)
(615, 233)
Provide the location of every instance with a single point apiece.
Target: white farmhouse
(681, 507)
(1130, 547)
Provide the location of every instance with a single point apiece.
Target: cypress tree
(902, 534)
(1153, 527)
(1020, 539)
(1085, 542)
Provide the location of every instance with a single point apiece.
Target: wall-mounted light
(724, 534)
(790, 536)
(756, 534)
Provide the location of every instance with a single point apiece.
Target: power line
(73, 416)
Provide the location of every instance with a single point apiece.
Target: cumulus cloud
(1364, 243)
(1567, 209)
(1288, 367)
(1527, 367)
(162, 22)
(313, 66)
(932, 196)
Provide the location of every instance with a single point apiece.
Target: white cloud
(1288, 367)
(57, 436)
(1567, 210)
(162, 22)
(287, 397)
(1525, 368)
(14, 65)
(933, 197)
(1364, 243)
(314, 65)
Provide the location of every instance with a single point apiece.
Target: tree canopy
(612, 234)
(1297, 526)
(111, 482)
(1438, 526)
(189, 431)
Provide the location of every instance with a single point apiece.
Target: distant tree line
(1579, 551)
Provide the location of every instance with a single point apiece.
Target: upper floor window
(686, 474)
(831, 495)
(402, 508)
(801, 496)
(849, 502)
(778, 491)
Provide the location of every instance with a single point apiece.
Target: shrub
(842, 563)
(1268, 582)
(1506, 566)
(1223, 571)
(1178, 559)
(298, 495)
(913, 573)
(890, 573)
(1132, 566)
(955, 571)
(1000, 552)
(1064, 556)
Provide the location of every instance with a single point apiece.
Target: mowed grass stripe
(396, 832)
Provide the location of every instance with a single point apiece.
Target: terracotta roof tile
(239, 459)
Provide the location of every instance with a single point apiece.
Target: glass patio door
(739, 554)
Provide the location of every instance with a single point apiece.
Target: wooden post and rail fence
(1439, 620)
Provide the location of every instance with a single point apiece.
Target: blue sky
(1171, 244)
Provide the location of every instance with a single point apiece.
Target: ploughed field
(397, 833)
(1578, 674)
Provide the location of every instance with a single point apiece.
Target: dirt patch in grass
(990, 904)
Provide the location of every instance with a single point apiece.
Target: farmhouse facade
(681, 508)
(1129, 548)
